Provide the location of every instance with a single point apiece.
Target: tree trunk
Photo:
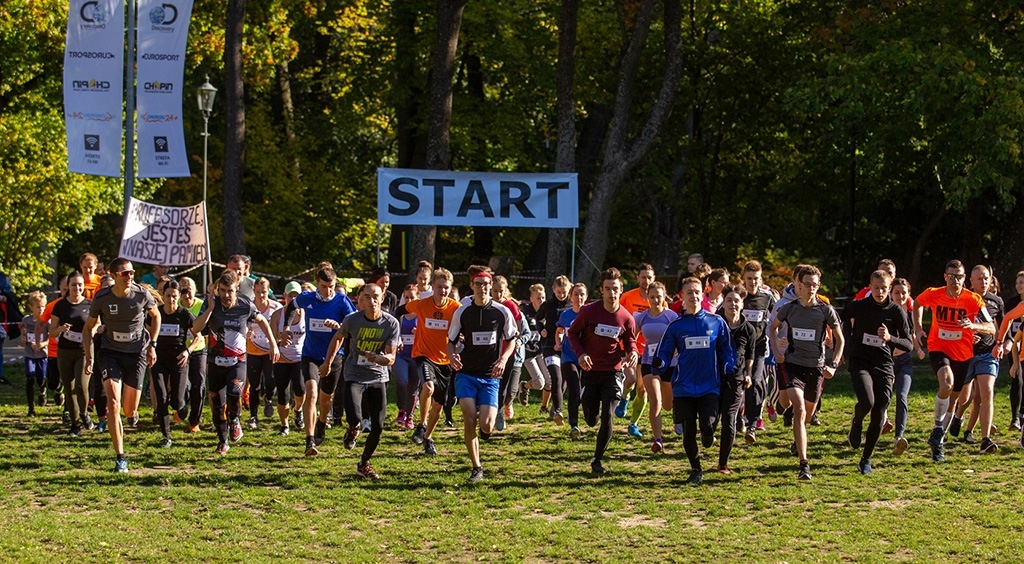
(565, 160)
(284, 82)
(449, 20)
(621, 154)
(234, 140)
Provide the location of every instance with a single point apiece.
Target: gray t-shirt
(806, 331)
(124, 318)
(368, 335)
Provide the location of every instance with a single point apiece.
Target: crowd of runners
(710, 354)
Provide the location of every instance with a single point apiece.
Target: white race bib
(950, 335)
(260, 338)
(73, 336)
(439, 324)
(170, 330)
(484, 338)
(225, 361)
(408, 339)
(754, 315)
(698, 343)
(873, 340)
(361, 360)
(610, 331)
(120, 337)
(317, 325)
(553, 360)
(804, 334)
(652, 349)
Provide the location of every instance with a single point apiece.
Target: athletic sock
(941, 407)
(637, 409)
(946, 420)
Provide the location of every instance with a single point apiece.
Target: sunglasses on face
(125, 273)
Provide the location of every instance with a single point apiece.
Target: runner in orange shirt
(950, 343)
(635, 301)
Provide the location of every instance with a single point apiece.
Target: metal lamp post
(205, 97)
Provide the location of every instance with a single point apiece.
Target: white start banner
(163, 35)
(166, 235)
(495, 199)
(94, 86)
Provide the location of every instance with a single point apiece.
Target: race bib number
(484, 338)
(120, 337)
(754, 315)
(361, 360)
(408, 339)
(950, 335)
(260, 338)
(873, 340)
(553, 360)
(73, 336)
(317, 325)
(804, 334)
(225, 361)
(698, 343)
(1014, 327)
(610, 331)
(652, 349)
(170, 330)
(439, 324)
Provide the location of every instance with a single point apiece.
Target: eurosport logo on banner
(495, 199)
(167, 235)
(93, 83)
(161, 68)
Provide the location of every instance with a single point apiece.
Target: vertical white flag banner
(94, 86)
(163, 35)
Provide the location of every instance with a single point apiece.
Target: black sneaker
(596, 468)
(76, 431)
(42, 399)
(543, 408)
(417, 434)
(350, 438)
(476, 475)
(815, 421)
(524, 393)
(428, 447)
(283, 430)
(792, 448)
(268, 409)
(133, 421)
(696, 477)
(988, 446)
(65, 417)
(300, 421)
(319, 433)
(865, 466)
(311, 449)
(854, 436)
(449, 423)
(969, 438)
(805, 471)
(787, 417)
(954, 426)
(936, 437)
(87, 423)
(165, 443)
(938, 453)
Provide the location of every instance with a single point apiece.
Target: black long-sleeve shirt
(861, 320)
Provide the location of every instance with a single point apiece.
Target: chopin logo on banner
(165, 235)
(93, 85)
(494, 199)
(163, 34)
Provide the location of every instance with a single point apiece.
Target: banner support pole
(129, 145)
(572, 266)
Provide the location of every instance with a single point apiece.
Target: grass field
(264, 501)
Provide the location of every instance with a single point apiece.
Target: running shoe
(165, 442)
(268, 409)
(815, 421)
(417, 435)
(657, 446)
(449, 423)
(724, 470)
(193, 428)
(939, 453)
(58, 399)
(954, 426)
(408, 422)
(236, 431)
(557, 417)
(101, 427)
(793, 450)
(678, 429)
(543, 410)
(428, 447)
(620, 410)
(596, 468)
(772, 414)
(350, 438)
(741, 428)
(787, 417)
(805, 471)
(865, 466)
(696, 477)
(759, 425)
(936, 437)
(993, 430)
(5, 381)
(364, 470)
(176, 417)
(854, 436)
(121, 466)
(634, 431)
(750, 436)
(510, 413)
(253, 423)
(319, 433)
(1015, 424)
(988, 446)
(223, 448)
(887, 427)
(76, 431)
(300, 421)
(283, 430)
(524, 393)
(477, 474)
(42, 399)
(969, 438)
(400, 420)
(901, 446)
(574, 433)
(87, 423)
(499, 421)
(133, 421)
(311, 449)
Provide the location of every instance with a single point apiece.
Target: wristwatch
(833, 365)
(152, 344)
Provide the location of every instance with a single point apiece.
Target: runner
(1009, 344)
(51, 370)
(510, 375)
(126, 347)
(170, 372)
(950, 343)
(487, 331)
(290, 331)
(875, 326)
(67, 321)
(241, 265)
(35, 350)
(547, 316)
(226, 318)
(407, 377)
(635, 301)
(717, 281)
(802, 355)
(325, 309)
(534, 358)
(903, 369)
(734, 383)
(87, 264)
(193, 410)
(570, 367)
(259, 367)
(424, 279)
(601, 334)
(430, 349)
(756, 308)
(381, 277)
(705, 355)
(652, 325)
(372, 337)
